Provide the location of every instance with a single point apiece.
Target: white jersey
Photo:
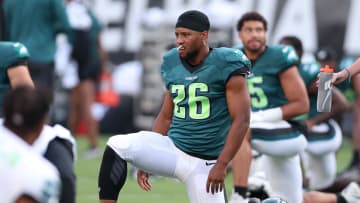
(24, 171)
(51, 132)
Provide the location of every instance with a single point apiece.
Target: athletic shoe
(259, 186)
(352, 193)
(236, 198)
(92, 153)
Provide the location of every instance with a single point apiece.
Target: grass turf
(163, 189)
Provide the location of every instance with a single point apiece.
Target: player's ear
(205, 34)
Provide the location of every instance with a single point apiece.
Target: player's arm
(161, 125)
(347, 73)
(238, 102)
(295, 92)
(163, 119)
(19, 75)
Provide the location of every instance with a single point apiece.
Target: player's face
(253, 36)
(189, 42)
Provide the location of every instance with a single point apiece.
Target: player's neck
(200, 57)
(253, 55)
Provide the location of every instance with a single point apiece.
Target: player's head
(294, 42)
(191, 31)
(327, 56)
(252, 28)
(25, 109)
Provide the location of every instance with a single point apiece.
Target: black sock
(112, 175)
(356, 157)
(241, 190)
(340, 199)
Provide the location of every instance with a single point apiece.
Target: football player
(277, 94)
(201, 124)
(24, 173)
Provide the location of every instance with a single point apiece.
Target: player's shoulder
(282, 53)
(170, 54)
(14, 48)
(230, 55)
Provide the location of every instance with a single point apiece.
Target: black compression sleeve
(112, 175)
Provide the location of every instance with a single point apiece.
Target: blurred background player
(323, 134)
(24, 174)
(37, 31)
(13, 63)
(55, 143)
(90, 61)
(351, 88)
(273, 79)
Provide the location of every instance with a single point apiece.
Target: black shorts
(90, 71)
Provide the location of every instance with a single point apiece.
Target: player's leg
(240, 171)
(149, 151)
(321, 170)
(350, 194)
(323, 142)
(284, 175)
(282, 143)
(74, 111)
(194, 173)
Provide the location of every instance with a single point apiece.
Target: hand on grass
(143, 180)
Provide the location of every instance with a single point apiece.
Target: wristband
(348, 75)
(269, 115)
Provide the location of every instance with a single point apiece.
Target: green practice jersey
(264, 84)
(309, 74)
(35, 23)
(10, 54)
(201, 118)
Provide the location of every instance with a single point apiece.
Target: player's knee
(120, 142)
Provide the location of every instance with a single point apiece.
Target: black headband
(193, 20)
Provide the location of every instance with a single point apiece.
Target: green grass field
(163, 189)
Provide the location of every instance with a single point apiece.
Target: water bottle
(324, 97)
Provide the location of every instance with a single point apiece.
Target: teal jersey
(264, 84)
(308, 73)
(35, 23)
(201, 119)
(10, 54)
(93, 38)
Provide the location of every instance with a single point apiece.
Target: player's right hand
(143, 180)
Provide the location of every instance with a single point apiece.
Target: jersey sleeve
(235, 61)
(309, 72)
(13, 54)
(288, 57)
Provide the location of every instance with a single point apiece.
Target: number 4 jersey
(201, 118)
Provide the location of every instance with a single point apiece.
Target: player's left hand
(143, 180)
(215, 181)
